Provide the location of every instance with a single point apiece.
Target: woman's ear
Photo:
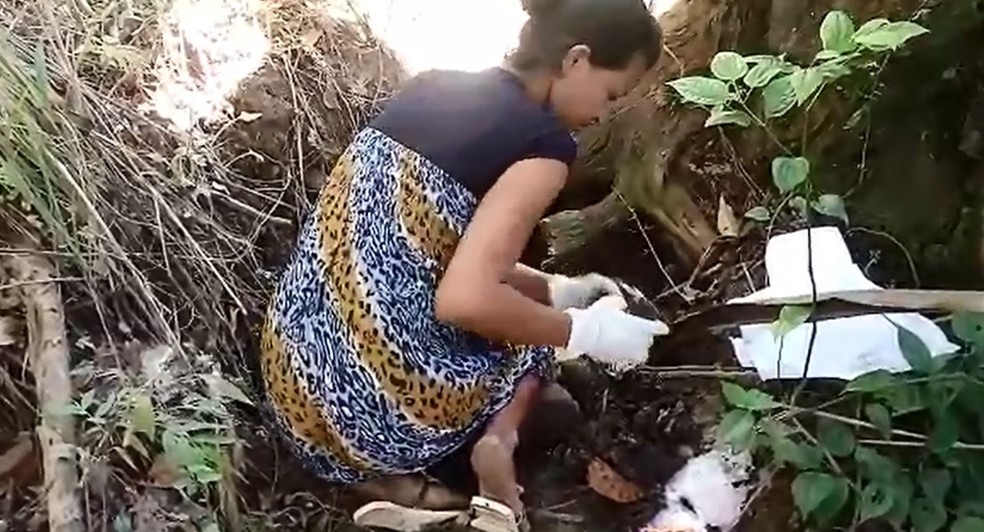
(577, 54)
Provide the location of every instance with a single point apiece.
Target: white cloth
(844, 347)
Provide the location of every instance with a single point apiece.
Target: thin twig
(920, 445)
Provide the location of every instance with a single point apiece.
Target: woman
(403, 329)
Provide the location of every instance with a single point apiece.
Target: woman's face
(583, 93)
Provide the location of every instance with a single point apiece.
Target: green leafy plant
(904, 450)
(746, 91)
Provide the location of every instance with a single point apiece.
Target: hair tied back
(540, 8)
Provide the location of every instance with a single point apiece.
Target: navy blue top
(474, 125)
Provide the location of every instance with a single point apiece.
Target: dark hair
(615, 30)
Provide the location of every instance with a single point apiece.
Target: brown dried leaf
(609, 484)
(727, 222)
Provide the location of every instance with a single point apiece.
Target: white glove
(579, 292)
(607, 334)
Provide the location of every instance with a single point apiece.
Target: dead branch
(49, 360)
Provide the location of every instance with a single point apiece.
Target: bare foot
(492, 461)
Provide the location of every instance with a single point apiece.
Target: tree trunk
(658, 155)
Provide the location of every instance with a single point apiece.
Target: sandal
(492, 516)
(387, 515)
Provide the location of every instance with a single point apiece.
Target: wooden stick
(49, 360)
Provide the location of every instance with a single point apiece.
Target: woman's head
(594, 51)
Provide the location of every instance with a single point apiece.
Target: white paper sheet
(844, 347)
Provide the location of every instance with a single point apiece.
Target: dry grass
(163, 235)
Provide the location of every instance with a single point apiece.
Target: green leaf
(810, 490)
(142, 417)
(799, 205)
(778, 97)
(803, 455)
(722, 117)
(728, 66)
(872, 381)
(805, 83)
(759, 214)
(880, 418)
(736, 428)
(789, 172)
(914, 350)
(876, 501)
(927, 515)
(747, 399)
(968, 524)
(874, 466)
(903, 491)
(790, 317)
(945, 432)
(935, 483)
(889, 36)
(826, 55)
(831, 507)
(969, 327)
(904, 399)
(831, 205)
(701, 90)
(837, 32)
(762, 73)
(833, 70)
(835, 436)
(869, 27)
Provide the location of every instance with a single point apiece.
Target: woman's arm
(476, 291)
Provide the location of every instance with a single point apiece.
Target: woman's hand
(580, 292)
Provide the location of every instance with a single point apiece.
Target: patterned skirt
(362, 379)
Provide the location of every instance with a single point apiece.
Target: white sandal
(492, 516)
(390, 516)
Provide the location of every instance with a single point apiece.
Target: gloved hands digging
(580, 292)
(607, 334)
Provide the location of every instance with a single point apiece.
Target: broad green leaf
(876, 501)
(835, 436)
(736, 428)
(831, 205)
(874, 466)
(778, 97)
(811, 489)
(904, 399)
(837, 32)
(747, 399)
(728, 117)
(761, 58)
(969, 327)
(889, 36)
(873, 381)
(826, 55)
(880, 418)
(789, 172)
(762, 73)
(869, 27)
(945, 432)
(935, 483)
(805, 83)
(969, 479)
(790, 317)
(803, 455)
(927, 515)
(702, 90)
(759, 214)
(903, 491)
(968, 524)
(831, 507)
(728, 66)
(914, 350)
(832, 70)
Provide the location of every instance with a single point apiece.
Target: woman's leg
(492, 456)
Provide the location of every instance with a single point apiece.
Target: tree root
(49, 360)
